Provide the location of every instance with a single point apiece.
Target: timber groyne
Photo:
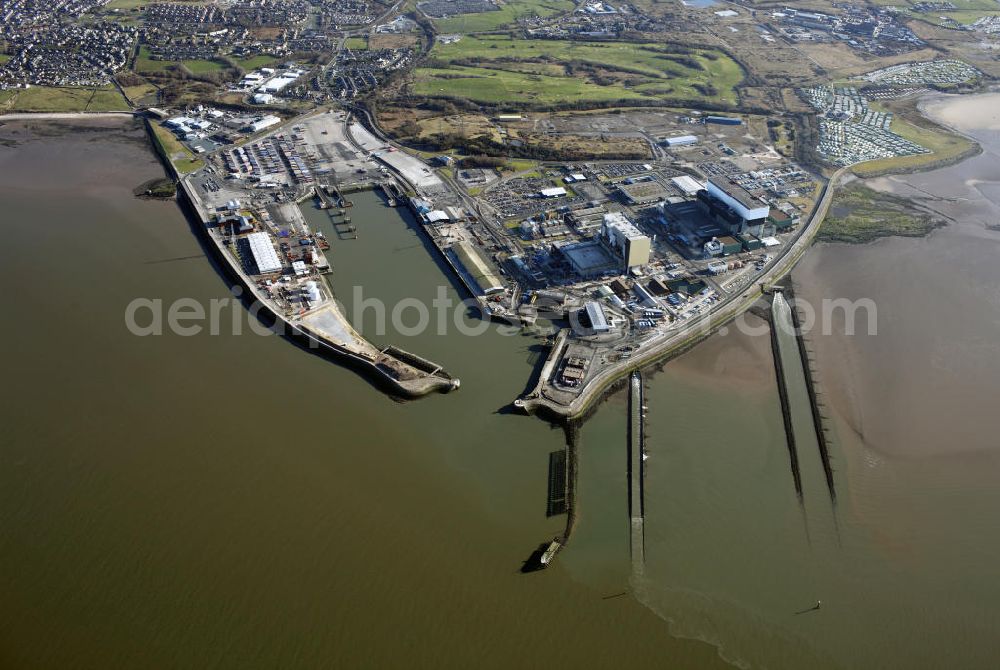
(786, 412)
(807, 370)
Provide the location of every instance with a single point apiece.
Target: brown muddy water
(233, 501)
(905, 563)
(236, 502)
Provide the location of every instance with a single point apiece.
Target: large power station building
(626, 241)
(735, 208)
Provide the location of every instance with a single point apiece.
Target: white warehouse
(680, 141)
(264, 255)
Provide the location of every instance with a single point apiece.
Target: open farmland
(254, 62)
(965, 11)
(501, 86)
(509, 12)
(63, 99)
(498, 68)
(146, 65)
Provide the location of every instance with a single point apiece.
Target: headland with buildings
(630, 261)
(246, 201)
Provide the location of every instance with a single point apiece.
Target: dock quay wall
(527, 403)
(439, 383)
(161, 152)
(471, 289)
(612, 380)
(572, 432)
(357, 187)
(418, 362)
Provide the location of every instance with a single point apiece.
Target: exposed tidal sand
(904, 563)
(966, 113)
(927, 383)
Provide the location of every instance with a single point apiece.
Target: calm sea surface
(233, 501)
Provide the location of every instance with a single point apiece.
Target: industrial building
(627, 242)
(595, 318)
(724, 120)
(281, 82)
(588, 259)
(577, 362)
(642, 192)
(262, 254)
(263, 123)
(735, 208)
(477, 268)
(680, 141)
(436, 216)
(781, 221)
(688, 185)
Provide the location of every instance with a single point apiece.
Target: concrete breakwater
(613, 379)
(563, 470)
(397, 372)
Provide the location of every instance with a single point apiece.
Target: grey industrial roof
(737, 192)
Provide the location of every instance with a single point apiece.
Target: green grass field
(505, 72)
(356, 43)
(966, 12)
(46, 99)
(4, 58)
(183, 160)
(255, 62)
(146, 65)
(966, 16)
(961, 5)
(139, 92)
(509, 13)
(126, 4)
(484, 85)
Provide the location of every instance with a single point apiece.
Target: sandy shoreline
(918, 387)
(962, 113)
